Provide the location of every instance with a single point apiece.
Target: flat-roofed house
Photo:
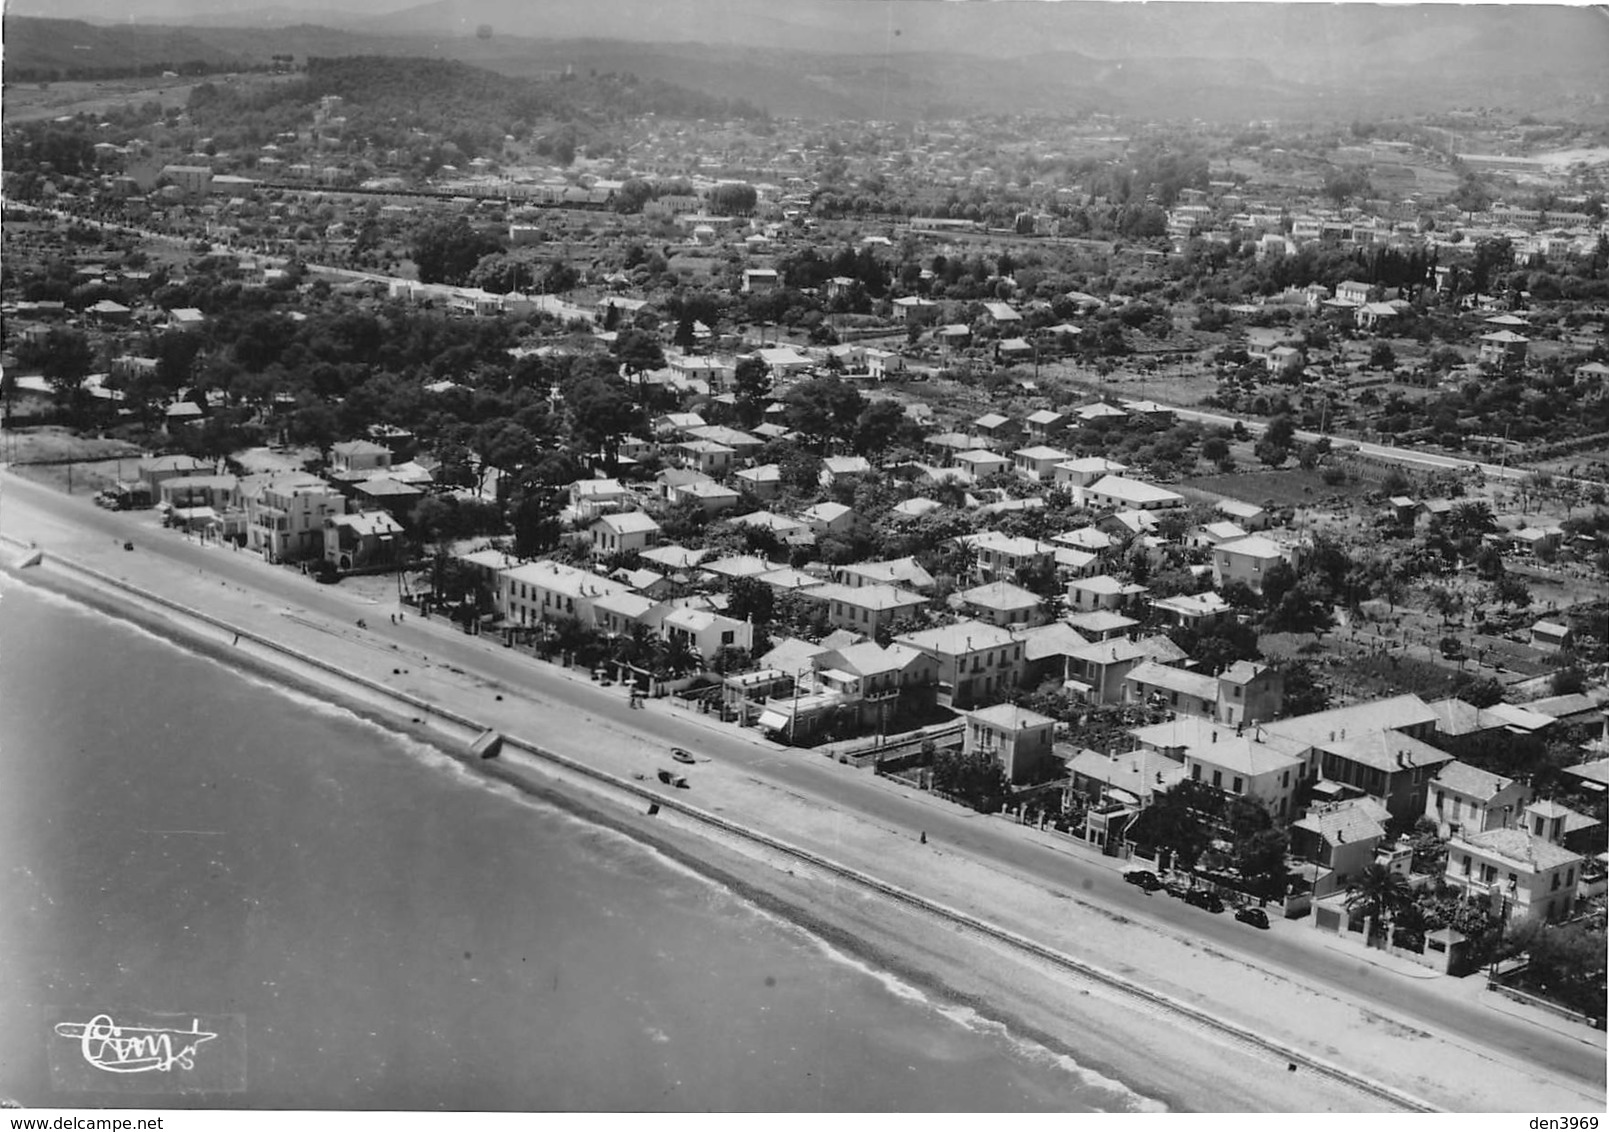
(285, 517)
(1018, 739)
(185, 318)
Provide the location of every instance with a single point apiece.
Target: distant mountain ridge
(911, 59)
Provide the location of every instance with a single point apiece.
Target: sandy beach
(1180, 1063)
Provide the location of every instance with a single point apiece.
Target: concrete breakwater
(528, 765)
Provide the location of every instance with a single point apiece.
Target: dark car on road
(1256, 917)
(1201, 898)
(1143, 878)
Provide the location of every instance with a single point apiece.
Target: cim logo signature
(147, 1052)
(135, 1049)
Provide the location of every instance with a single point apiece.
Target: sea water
(382, 928)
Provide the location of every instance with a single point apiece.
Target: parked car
(1256, 917)
(1143, 878)
(1201, 898)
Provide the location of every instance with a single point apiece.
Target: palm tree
(1472, 517)
(675, 656)
(1378, 894)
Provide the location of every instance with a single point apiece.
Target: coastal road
(30, 510)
